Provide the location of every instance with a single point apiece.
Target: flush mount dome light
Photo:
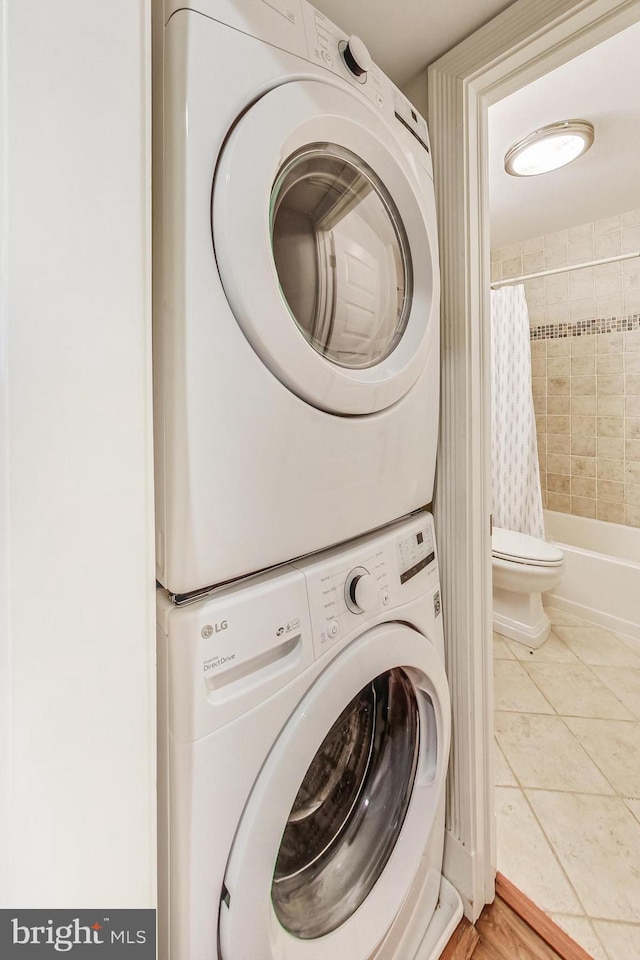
(548, 148)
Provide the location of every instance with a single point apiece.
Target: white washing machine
(296, 291)
(305, 728)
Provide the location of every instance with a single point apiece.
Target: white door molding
(528, 40)
(6, 712)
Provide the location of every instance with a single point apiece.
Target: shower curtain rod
(570, 266)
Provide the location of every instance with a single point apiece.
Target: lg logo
(209, 630)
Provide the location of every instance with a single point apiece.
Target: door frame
(526, 41)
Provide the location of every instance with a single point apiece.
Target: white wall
(416, 90)
(77, 738)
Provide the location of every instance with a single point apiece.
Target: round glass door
(341, 254)
(349, 810)
(324, 234)
(344, 808)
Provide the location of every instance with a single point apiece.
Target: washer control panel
(348, 587)
(360, 591)
(415, 552)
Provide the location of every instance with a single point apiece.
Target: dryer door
(325, 239)
(344, 807)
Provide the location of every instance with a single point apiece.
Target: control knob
(356, 56)
(361, 591)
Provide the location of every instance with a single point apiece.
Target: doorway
(525, 42)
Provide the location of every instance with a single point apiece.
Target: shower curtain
(517, 500)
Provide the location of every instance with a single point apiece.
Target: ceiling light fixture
(549, 148)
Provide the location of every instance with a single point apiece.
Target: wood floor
(512, 928)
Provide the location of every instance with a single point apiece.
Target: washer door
(324, 236)
(342, 811)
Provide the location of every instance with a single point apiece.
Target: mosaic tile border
(584, 328)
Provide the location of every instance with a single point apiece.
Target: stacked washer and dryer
(303, 705)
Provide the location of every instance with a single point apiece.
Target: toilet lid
(520, 548)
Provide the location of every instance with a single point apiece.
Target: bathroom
(567, 718)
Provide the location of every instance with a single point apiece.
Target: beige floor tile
(596, 836)
(634, 806)
(625, 683)
(553, 650)
(621, 940)
(614, 746)
(501, 649)
(580, 929)
(632, 642)
(525, 857)
(515, 690)
(544, 754)
(597, 840)
(504, 775)
(557, 616)
(575, 691)
(595, 645)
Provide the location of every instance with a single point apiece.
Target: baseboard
(606, 620)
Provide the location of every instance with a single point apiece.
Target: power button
(333, 628)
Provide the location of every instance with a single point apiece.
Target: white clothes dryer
(296, 293)
(305, 729)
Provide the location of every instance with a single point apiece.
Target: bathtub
(601, 579)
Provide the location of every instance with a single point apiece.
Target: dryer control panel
(297, 27)
(349, 59)
(371, 581)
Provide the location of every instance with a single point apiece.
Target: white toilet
(523, 569)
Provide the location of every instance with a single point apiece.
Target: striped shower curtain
(517, 500)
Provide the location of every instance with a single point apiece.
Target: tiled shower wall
(585, 356)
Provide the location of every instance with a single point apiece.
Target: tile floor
(567, 727)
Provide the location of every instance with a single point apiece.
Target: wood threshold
(540, 923)
(511, 928)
